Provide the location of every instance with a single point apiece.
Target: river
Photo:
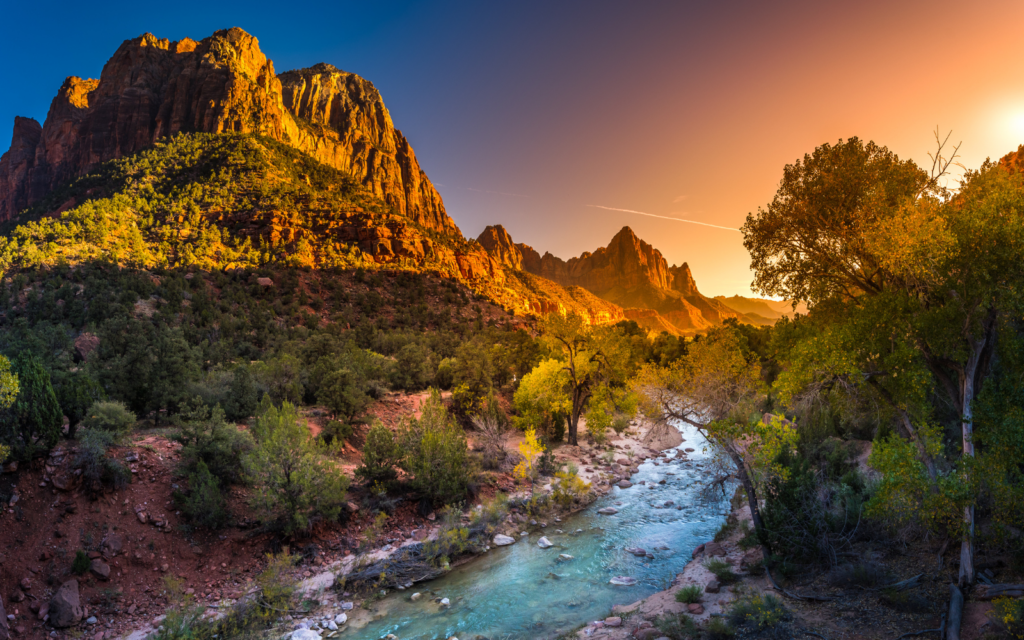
(522, 591)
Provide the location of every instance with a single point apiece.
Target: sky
(565, 121)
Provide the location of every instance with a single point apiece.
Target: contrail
(654, 215)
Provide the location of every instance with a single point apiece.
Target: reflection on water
(522, 591)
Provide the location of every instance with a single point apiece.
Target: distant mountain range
(327, 182)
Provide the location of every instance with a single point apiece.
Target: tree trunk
(967, 381)
(574, 421)
(752, 502)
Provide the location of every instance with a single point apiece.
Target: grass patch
(719, 629)
(758, 612)
(677, 627)
(690, 595)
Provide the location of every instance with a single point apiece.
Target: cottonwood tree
(589, 357)
(856, 230)
(716, 389)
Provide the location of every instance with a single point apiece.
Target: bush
(719, 629)
(110, 416)
(81, 563)
(294, 481)
(690, 594)
(342, 392)
(759, 612)
(1010, 614)
(381, 455)
(336, 432)
(569, 486)
(677, 627)
(492, 426)
(438, 456)
(204, 504)
(722, 571)
(491, 512)
(99, 471)
(243, 395)
(207, 437)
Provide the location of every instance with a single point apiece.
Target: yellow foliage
(531, 449)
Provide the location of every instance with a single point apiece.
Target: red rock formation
(153, 88)
(499, 244)
(348, 126)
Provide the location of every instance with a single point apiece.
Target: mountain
(197, 154)
(628, 272)
(153, 88)
(769, 309)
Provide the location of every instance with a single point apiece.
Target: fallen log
(990, 591)
(956, 612)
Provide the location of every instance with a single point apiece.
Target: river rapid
(522, 591)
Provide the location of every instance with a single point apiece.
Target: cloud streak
(654, 215)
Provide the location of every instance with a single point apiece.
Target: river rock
(347, 606)
(544, 543)
(695, 608)
(637, 551)
(713, 549)
(623, 581)
(341, 618)
(712, 586)
(305, 634)
(624, 484)
(416, 596)
(503, 540)
(614, 621)
(65, 606)
(608, 511)
(445, 602)
(565, 556)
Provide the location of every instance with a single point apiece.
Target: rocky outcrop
(628, 272)
(345, 124)
(153, 88)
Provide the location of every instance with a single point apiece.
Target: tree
(295, 483)
(242, 394)
(111, 416)
(541, 400)
(854, 230)
(438, 455)
(33, 421)
(531, 449)
(381, 455)
(8, 393)
(76, 393)
(341, 392)
(589, 357)
(715, 388)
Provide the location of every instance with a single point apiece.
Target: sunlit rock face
(153, 88)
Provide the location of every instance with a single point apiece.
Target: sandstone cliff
(153, 88)
(628, 272)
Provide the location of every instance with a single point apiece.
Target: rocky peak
(681, 280)
(152, 87)
(496, 240)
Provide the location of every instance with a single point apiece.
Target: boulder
(100, 568)
(445, 602)
(341, 618)
(695, 608)
(305, 634)
(713, 549)
(544, 543)
(624, 484)
(608, 511)
(65, 606)
(712, 586)
(623, 581)
(614, 621)
(503, 540)
(697, 551)
(111, 545)
(5, 629)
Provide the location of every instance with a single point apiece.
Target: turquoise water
(522, 591)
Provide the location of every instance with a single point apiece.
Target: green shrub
(343, 393)
(81, 563)
(722, 570)
(718, 629)
(204, 504)
(438, 456)
(98, 470)
(381, 456)
(758, 612)
(110, 416)
(243, 395)
(295, 483)
(207, 437)
(336, 432)
(677, 627)
(690, 594)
